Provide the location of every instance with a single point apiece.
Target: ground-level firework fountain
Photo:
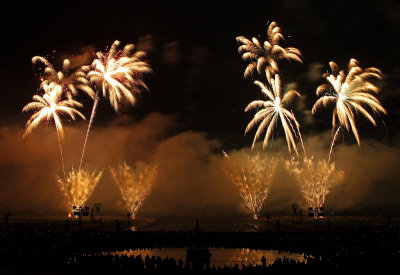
(254, 178)
(78, 186)
(316, 179)
(134, 183)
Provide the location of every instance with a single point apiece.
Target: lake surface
(219, 256)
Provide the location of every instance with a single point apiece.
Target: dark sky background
(197, 80)
(202, 82)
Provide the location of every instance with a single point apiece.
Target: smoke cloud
(190, 181)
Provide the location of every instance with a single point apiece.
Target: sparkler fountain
(316, 179)
(134, 183)
(254, 179)
(79, 186)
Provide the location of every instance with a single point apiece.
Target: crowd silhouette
(50, 248)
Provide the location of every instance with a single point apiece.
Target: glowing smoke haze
(190, 180)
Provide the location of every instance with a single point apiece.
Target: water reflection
(219, 256)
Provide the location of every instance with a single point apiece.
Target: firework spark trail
(333, 143)
(267, 55)
(300, 137)
(49, 106)
(79, 186)
(96, 101)
(316, 179)
(119, 74)
(350, 95)
(271, 110)
(134, 183)
(61, 153)
(253, 179)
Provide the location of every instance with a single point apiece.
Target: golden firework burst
(70, 78)
(118, 73)
(350, 94)
(265, 56)
(48, 106)
(271, 110)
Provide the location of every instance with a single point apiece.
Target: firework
(71, 79)
(350, 94)
(48, 107)
(266, 56)
(271, 110)
(254, 179)
(118, 74)
(316, 179)
(79, 186)
(134, 183)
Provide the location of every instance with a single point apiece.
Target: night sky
(197, 72)
(203, 85)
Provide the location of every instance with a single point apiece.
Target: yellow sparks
(254, 179)
(266, 56)
(350, 94)
(134, 183)
(271, 110)
(316, 179)
(79, 186)
(118, 73)
(48, 106)
(71, 79)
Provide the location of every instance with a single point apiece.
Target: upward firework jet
(254, 179)
(71, 79)
(265, 57)
(316, 179)
(49, 106)
(78, 186)
(350, 94)
(134, 183)
(118, 75)
(273, 109)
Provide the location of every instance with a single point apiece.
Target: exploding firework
(71, 79)
(253, 178)
(273, 109)
(350, 94)
(48, 106)
(118, 74)
(134, 183)
(316, 179)
(266, 56)
(79, 186)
